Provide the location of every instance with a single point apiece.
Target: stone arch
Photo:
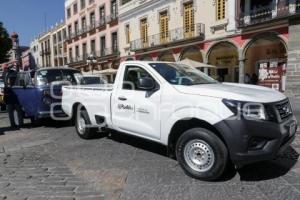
(225, 56)
(166, 56)
(267, 49)
(270, 34)
(193, 53)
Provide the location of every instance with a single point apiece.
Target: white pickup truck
(204, 123)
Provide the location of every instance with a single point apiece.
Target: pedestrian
(247, 78)
(254, 79)
(11, 99)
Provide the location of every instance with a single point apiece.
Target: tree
(5, 44)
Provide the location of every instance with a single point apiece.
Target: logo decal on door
(124, 107)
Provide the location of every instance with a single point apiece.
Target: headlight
(247, 110)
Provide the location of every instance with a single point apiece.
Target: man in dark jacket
(11, 99)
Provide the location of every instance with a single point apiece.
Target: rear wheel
(201, 154)
(83, 125)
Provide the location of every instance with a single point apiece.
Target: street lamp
(16, 49)
(91, 61)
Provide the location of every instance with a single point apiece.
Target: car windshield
(180, 74)
(45, 77)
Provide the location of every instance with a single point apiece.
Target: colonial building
(58, 44)
(92, 30)
(174, 30)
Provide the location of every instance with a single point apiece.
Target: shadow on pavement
(270, 169)
(139, 143)
(4, 130)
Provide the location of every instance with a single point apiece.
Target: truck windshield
(45, 77)
(180, 74)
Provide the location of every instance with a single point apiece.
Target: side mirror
(146, 83)
(22, 83)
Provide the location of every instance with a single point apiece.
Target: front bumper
(250, 141)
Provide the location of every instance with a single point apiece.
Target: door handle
(122, 98)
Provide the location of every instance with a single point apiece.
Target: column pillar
(247, 18)
(205, 61)
(241, 66)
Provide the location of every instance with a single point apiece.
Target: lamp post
(91, 61)
(16, 49)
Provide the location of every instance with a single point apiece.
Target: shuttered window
(220, 9)
(144, 31)
(164, 27)
(189, 20)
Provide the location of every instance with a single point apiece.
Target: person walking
(11, 100)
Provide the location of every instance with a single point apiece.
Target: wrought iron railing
(175, 35)
(108, 51)
(268, 13)
(112, 17)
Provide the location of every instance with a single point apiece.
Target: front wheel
(201, 154)
(83, 125)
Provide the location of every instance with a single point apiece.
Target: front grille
(284, 109)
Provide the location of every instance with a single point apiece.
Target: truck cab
(39, 92)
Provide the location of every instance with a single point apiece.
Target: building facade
(58, 44)
(174, 30)
(92, 30)
(34, 50)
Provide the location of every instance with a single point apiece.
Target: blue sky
(27, 17)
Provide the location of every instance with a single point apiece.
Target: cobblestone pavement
(51, 162)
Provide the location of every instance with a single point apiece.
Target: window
(64, 34)
(76, 27)
(82, 4)
(91, 1)
(220, 9)
(75, 8)
(84, 50)
(70, 54)
(102, 15)
(54, 39)
(102, 45)
(77, 52)
(70, 30)
(164, 26)
(114, 37)
(179, 74)
(68, 12)
(189, 20)
(144, 31)
(83, 23)
(59, 36)
(127, 33)
(93, 47)
(114, 11)
(92, 19)
(131, 77)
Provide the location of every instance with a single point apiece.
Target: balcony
(168, 38)
(257, 14)
(112, 19)
(113, 51)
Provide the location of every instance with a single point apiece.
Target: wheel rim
(199, 155)
(81, 124)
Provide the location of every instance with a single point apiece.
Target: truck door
(26, 93)
(135, 110)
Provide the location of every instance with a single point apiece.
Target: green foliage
(5, 43)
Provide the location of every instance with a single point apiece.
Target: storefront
(224, 56)
(266, 59)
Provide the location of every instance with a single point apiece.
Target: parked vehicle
(2, 104)
(39, 90)
(206, 124)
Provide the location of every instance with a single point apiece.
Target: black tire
(204, 146)
(84, 132)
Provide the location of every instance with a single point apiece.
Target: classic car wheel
(82, 124)
(201, 154)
